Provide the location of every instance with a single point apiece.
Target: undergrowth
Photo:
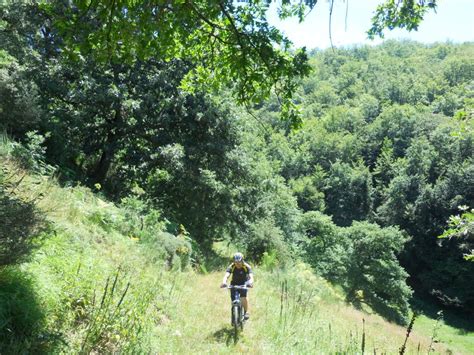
(100, 278)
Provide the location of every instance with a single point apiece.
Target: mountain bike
(237, 310)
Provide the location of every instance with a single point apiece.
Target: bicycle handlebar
(237, 287)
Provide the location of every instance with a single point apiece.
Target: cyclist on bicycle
(242, 275)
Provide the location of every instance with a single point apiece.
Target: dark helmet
(238, 257)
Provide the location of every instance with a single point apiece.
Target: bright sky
(453, 21)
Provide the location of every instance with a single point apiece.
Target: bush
(269, 261)
(374, 269)
(21, 318)
(19, 100)
(145, 224)
(21, 225)
(361, 258)
(32, 154)
(265, 237)
(178, 250)
(326, 251)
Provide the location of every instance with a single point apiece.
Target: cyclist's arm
(250, 279)
(226, 276)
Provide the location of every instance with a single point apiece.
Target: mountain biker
(242, 275)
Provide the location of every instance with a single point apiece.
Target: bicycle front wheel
(235, 321)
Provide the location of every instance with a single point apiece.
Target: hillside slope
(96, 285)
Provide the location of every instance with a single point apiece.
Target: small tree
(265, 237)
(374, 269)
(361, 258)
(326, 250)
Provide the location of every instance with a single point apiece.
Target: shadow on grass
(215, 262)
(370, 305)
(22, 320)
(226, 335)
(451, 317)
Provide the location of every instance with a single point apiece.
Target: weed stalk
(409, 329)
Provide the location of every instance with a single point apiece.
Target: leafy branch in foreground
(462, 227)
(399, 14)
(230, 43)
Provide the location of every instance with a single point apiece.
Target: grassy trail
(199, 322)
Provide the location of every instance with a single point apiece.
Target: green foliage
(227, 43)
(99, 289)
(349, 193)
(386, 152)
(399, 14)
(91, 306)
(386, 136)
(376, 145)
(396, 123)
(459, 70)
(269, 261)
(144, 225)
(19, 97)
(115, 322)
(178, 249)
(363, 259)
(230, 44)
(21, 316)
(310, 198)
(265, 241)
(462, 226)
(326, 250)
(374, 269)
(31, 155)
(21, 223)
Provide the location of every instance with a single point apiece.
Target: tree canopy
(229, 43)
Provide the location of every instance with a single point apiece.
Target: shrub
(265, 237)
(21, 225)
(361, 258)
(142, 223)
(177, 249)
(19, 100)
(31, 154)
(326, 250)
(21, 318)
(269, 260)
(374, 269)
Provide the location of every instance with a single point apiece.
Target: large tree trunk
(109, 148)
(103, 166)
(114, 132)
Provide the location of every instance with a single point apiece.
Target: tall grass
(21, 315)
(292, 312)
(94, 285)
(100, 290)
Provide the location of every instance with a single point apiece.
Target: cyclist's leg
(244, 299)
(245, 303)
(233, 294)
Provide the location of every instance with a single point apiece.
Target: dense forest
(374, 189)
